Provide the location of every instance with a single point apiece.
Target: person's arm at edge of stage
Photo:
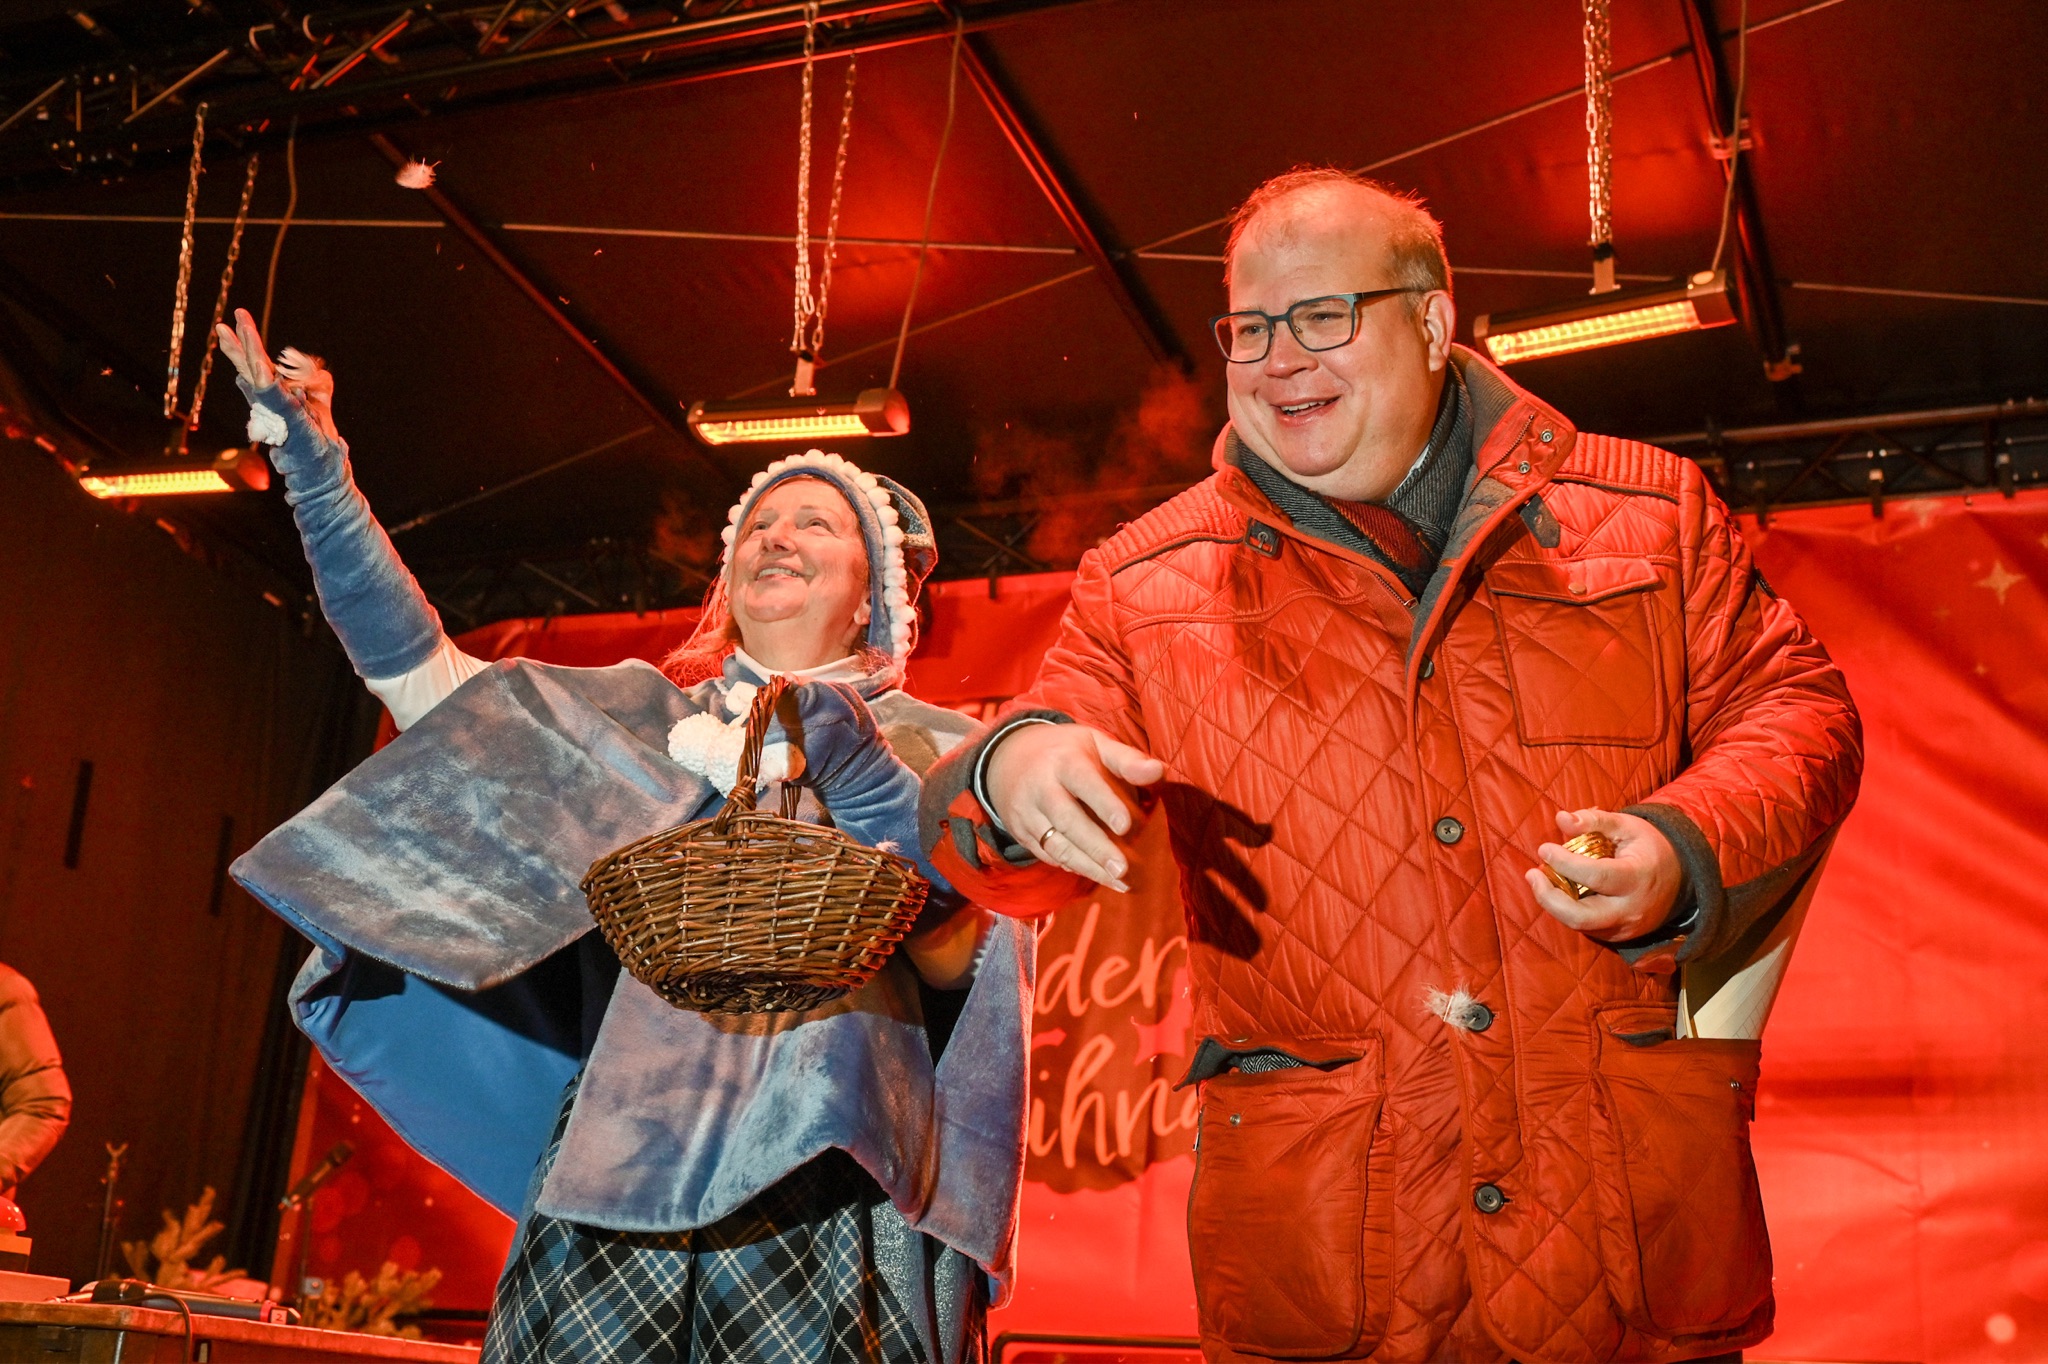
(1087, 672)
(35, 1096)
(391, 633)
(1776, 742)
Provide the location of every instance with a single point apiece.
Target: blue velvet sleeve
(871, 794)
(376, 608)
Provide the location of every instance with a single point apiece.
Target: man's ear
(1438, 318)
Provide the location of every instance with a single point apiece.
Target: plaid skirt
(789, 1278)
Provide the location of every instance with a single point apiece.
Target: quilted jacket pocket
(1289, 1221)
(1685, 1245)
(1583, 661)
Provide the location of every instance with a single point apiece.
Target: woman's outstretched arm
(392, 634)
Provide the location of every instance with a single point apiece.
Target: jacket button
(1489, 1199)
(1448, 830)
(1544, 435)
(1428, 668)
(1478, 1018)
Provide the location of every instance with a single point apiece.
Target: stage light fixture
(233, 471)
(875, 412)
(1693, 304)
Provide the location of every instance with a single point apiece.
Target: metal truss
(1997, 448)
(601, 575)
(79, 95)
(1991, 448)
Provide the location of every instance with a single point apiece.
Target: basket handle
(741, 799)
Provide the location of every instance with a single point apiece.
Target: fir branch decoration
(166, 1259)
(372, 1306)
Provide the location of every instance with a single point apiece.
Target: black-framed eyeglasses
(1317, 323)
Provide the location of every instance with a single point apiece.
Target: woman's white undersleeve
(412, 694)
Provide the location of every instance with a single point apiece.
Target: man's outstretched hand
(1634, 891)
(1062, 791)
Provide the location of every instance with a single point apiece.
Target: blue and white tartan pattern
(788, 1279)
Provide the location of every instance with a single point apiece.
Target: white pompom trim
(711, 748)
(266, 427)
(895, 576)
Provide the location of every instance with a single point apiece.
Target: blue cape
(439, 884)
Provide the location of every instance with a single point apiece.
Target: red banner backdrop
(1902, 1130)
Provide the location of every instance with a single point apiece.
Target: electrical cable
(931, 196)
(1735, 134)
(291, 206)
(191, 1347)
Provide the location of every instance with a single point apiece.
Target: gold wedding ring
(1594, 845)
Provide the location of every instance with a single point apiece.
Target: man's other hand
(1061, 791)
(1633, 892)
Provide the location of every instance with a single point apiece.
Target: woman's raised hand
(305, 378)
(243, 347)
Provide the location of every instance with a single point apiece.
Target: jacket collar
(1518, 444)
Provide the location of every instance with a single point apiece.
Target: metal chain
(807, 336)
(803, 183)
(1599, 122)
(220, 302)
(185, 264)
(817, 340)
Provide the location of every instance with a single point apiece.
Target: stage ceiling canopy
(635, 163)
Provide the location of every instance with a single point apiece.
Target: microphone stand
(110, 1211)
(300, 1202)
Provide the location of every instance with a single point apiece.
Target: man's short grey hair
(1415, 248)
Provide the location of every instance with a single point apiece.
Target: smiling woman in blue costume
(835, 1185)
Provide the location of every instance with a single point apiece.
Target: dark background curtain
(207, 715)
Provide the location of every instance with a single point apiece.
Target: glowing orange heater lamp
(1694, 304)
(875, 412)
(234, 471)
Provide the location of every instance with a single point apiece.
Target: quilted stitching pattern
(1305, 780)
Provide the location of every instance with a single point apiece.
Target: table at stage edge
(60, 1332)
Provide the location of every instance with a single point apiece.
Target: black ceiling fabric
(1893, 148)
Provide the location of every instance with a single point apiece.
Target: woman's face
(800, 576)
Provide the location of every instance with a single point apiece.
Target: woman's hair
(702, 655)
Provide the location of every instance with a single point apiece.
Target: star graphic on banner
(1941, 613)
(1923, 510)
(2000, 580)
(2044, 542)
(1981, 670)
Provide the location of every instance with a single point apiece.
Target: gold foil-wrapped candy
(1594, 845)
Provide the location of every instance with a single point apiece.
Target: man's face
(1346, 422)
(799, 568)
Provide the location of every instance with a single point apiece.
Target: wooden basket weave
(752, 913)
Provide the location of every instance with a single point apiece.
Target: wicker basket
(751, 913)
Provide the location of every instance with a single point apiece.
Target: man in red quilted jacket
(1414, 631)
